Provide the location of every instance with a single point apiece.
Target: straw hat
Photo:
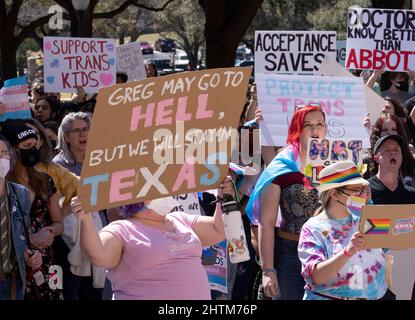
(340, 174)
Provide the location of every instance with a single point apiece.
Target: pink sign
(78, 62)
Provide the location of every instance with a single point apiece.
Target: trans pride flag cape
(287, 161)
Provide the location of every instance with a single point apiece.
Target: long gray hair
(65, 127)
(323, 200)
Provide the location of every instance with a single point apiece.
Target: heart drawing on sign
(54, 63)
(111, 61)
(50, 79)
(105, 78)
(48, 46)
(109, 47)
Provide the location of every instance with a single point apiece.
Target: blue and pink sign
(14, 99)
(78, 62)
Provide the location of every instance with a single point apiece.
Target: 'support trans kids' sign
(342, 99)
(292, 51)
(388, 226)
(170, 135)
(130, 61)
(78, 62)
(380, 39)
(14, 97)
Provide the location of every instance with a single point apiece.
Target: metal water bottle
(234, 230)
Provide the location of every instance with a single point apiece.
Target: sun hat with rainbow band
(339, 174)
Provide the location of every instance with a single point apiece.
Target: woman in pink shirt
(151, 255)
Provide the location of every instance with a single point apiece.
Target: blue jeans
(6, 289)
(288, 266)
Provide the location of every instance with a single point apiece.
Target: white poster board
(375, 103)
(78, 62)
(380, 39)
(187, 203)
(292, 52)
(342, 99)
(130, 61)
(341, 52)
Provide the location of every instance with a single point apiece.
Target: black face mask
(29, 157)
(400, 84)
(54, 144)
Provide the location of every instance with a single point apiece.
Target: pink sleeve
(187, 219)
(118, 229)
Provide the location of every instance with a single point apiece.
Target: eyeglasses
(84, 131)
(300, 106)
(5, 153)
(357, 191)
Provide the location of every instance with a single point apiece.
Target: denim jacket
(18, 194)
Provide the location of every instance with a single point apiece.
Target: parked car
(164, 66)
(243, 52)
(181, 60)
(165, 45)
(146, 48)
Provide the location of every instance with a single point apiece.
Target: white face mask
(4, 167)
(162, 206)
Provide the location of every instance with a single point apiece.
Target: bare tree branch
(125, 5)
(28, 30)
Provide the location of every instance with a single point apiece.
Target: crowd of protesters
(303, 241)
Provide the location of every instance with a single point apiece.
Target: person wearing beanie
(45, 216)
(335, 264)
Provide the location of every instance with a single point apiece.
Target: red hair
(297, 123)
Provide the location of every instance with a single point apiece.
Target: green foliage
(333, 16)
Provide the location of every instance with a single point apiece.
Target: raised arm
(104, 249)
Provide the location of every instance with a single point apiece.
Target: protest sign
(187, 203)
(169, 135)
(388, 226)
(323, 152)
(292, 52)
(380, 39)
(375, 103)
(342, 99)
(14, 96)
(218, 272)
(130, 61)
(341, 52)
(78, 62)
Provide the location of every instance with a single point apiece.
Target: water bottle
(234, 230)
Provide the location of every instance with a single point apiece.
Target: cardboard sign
(218, 273)
(130, 61)
(292, 52)
(15, 98)
(187, 203)
(342, 99)
(380, 39)
(323, 152)
(388, 226)
(78, 62)
(341, 52)
(375, 103)
(162, 136)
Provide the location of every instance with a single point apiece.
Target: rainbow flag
(379, 226)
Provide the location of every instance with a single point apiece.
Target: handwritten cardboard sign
(380, 39)
(342, 99)
(162, 136)
(292, 52)
(375, 103)
(388, 226)
(323, 152)
(130, 61)
(78, 62)
(14, 96)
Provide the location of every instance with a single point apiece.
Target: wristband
(269, 270)
(346, 253)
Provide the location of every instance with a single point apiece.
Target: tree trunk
(8, 58)
(226, 24)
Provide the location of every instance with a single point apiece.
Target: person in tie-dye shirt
(335, 264)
